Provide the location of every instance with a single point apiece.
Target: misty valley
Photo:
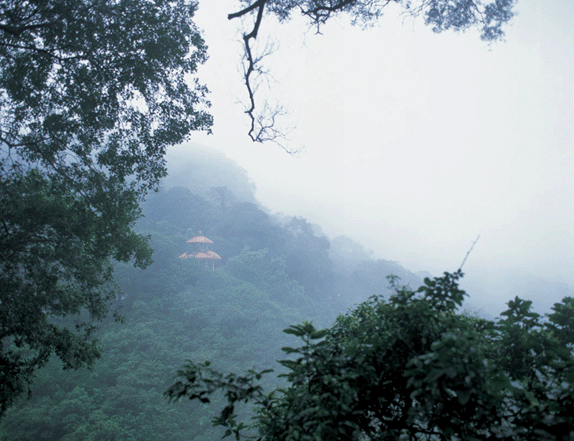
(256, 220)
(274, 272)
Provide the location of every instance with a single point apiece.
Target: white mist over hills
(200, 168)
(416, 143)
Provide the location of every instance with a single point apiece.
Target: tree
(412, 368)
(442, 15)
(92, 92)
(268, 274)
(307, 258)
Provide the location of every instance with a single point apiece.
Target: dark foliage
(412, 368)
(91, 94)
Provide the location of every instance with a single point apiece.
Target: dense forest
(106, 341)
(275, 271)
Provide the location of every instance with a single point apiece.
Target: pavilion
(202, 251)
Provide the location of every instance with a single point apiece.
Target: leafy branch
(197, 381)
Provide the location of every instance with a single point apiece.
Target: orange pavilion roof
(199, 239)
(201, 255)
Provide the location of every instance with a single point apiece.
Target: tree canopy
(91, 94)
(415, 368)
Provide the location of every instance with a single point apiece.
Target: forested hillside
(274, 272)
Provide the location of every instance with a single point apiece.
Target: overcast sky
(415, 143)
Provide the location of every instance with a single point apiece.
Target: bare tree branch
(263, 123)
(441, 15)
(247, 10)
(468, 252)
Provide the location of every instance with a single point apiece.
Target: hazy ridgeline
(275, 271)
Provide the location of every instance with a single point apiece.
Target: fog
(414, 143)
